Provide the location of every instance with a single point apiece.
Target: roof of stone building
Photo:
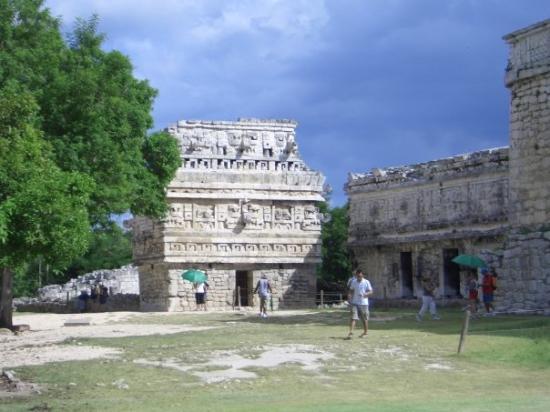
(245, 140)
(455, 166)
(541, 25)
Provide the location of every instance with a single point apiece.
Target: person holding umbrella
(198, 278)
(200, 294)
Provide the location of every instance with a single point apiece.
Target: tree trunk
(6, 298)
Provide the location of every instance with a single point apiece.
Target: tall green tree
(336, 264)
(43, 210)
(88, 117)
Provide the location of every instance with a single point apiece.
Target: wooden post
(464, 331)
(341, 298)
(322, 299)
(239, 296)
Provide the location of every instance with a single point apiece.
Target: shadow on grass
(451, 322)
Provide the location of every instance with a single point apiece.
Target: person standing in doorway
(358, 295)
(263, 288)
(428, 300)
(488, 286)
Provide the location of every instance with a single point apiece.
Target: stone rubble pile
(122, 283)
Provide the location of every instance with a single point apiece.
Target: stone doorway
(451, 274)
(406, 275)
(243, 288)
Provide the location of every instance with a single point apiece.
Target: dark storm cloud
(372, 83)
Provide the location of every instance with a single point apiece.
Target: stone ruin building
(408, 222)
(243, 204)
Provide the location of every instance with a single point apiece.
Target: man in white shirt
(263, 288)
(359, 291)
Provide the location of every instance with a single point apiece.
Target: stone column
(525, 281)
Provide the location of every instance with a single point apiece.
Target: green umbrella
(471, 261)
(194, 275)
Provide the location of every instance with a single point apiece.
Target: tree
(110, 247)
(336, 265)
(42, 209)
(86, 120)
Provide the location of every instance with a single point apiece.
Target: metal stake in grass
(464, 331)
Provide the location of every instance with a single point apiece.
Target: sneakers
(263, 315)
(418, 318)
(435, 317)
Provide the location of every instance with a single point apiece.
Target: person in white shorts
(359, 291)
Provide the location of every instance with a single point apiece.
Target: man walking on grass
(263, 288)
(358, 296)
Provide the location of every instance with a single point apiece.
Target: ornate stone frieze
(244, 214)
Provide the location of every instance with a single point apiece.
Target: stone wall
(525, 276)
(243, 203)
(123, 285)
(460, 196)
(408, 222)
(292, 287)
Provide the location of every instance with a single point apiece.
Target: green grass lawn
(402, 366)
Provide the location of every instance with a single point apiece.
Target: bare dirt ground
(42, 343)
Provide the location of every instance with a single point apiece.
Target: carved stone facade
(409, 222)
(243, 204)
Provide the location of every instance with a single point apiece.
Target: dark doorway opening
(451, 274)
(243, 288)
(406, 275)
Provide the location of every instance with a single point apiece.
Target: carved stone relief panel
(232, 216)
(204, 217)
(253, 216)
(283, 217)
(312, 218)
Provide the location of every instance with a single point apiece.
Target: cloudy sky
(372, 83)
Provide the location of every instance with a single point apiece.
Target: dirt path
(42, 344)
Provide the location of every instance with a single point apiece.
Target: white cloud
(376, 82)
